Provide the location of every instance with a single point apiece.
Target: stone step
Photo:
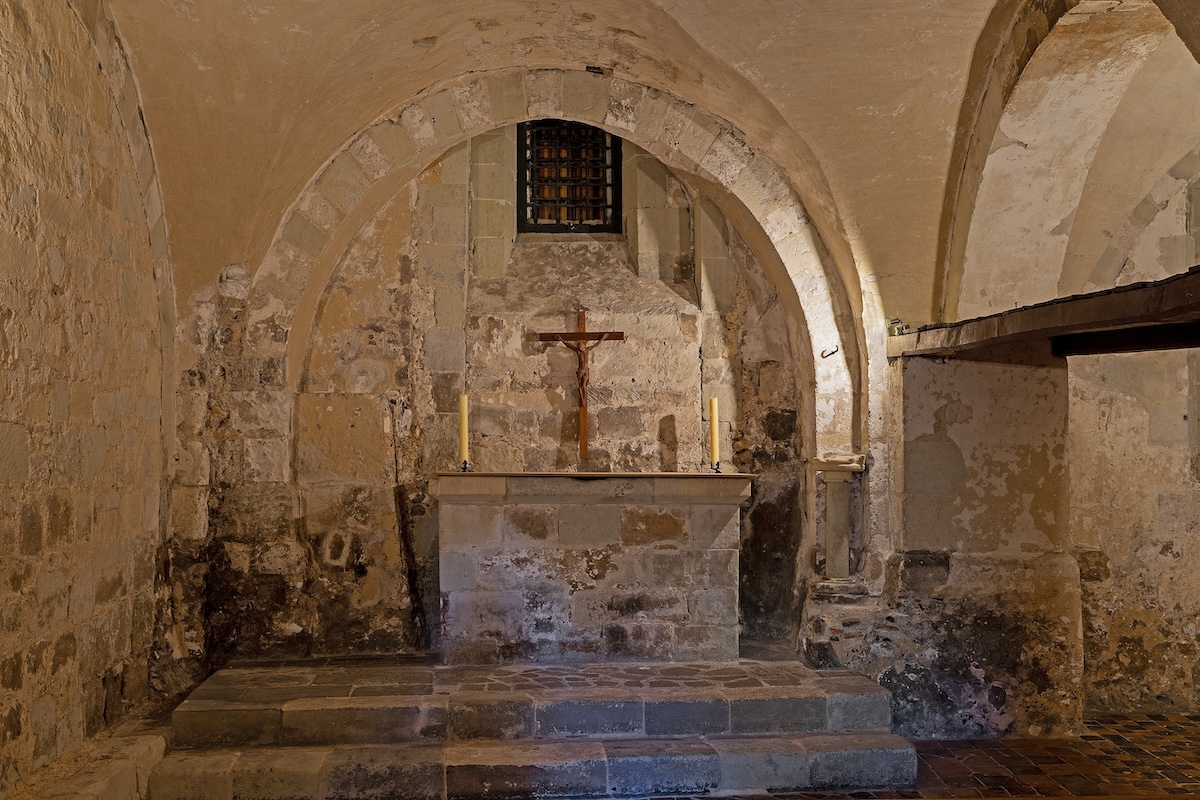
(553, 768)
(297, 706)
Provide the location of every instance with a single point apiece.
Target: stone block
(494, 218)
(770, 763)
(213, 723)
(343, 182)
(456, 487)
(686, 717)
(193, 776)
(442, 113)
(706, 643)
(602, 714)
(363, 720)
(860, 760)
(495, 615)
(648, 603)
(714, 527)
(506, 93)
(275, 773)
(588, 526)
(445, 350)
(14, 453)
(393, 139)
(526, 525)
(585, 96)
(650, 640)
(650, 525)
(714, 568)
(490, 715)
(767, 711)
(382, 773)
(582, 489)
(704, 489)
(544, 94)
(458, 570)
(713, 606)
(304, 235)
(489, 256)
(663, 766)
(464, 525)
(551, 770)
(267, 460)
(189, 512)
(857, 704)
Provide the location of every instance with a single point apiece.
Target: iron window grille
(569, 178)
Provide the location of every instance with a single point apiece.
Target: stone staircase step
(551, 768)
(361, 705)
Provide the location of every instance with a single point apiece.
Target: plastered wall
(1135, 494)
(80, 385)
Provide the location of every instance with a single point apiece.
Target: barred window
(569, 178)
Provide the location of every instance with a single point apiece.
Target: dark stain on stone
(780, 425)
(923, 572)
(31, 531)
(11, 675)
(1093, 566)
(768, 564)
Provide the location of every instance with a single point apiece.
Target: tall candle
(714, 432)
(462, 429)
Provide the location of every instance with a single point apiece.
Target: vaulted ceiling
(881, 112)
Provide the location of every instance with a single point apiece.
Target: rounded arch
(1043, 153)
(745, 182)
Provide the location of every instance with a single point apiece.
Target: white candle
(714, 432)
(462, 429)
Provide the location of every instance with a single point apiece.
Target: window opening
(569, 177)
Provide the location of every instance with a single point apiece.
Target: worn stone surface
(81, 354)
(1134, 480)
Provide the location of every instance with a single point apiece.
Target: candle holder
(716, 468)
(466, 467)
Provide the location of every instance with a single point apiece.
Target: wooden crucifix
(583, 342)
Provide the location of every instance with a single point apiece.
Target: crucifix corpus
(583, 342)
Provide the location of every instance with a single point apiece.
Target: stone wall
(1135, 495)
(976, 628)
(81, 458)
(303, 521)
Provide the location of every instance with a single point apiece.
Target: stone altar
(574, 567)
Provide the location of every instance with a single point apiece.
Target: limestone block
(370, 157)
(458, 570)
(714, 527)
(443, 263)
(363, 719)
(342, 437)
(471, 485)
(623, 99)
(526, 525)
(580, 490)
(304, 235)
(494, 218)
(662, 767)
(489, 256)
(874, 759)
(857, 703)
(419, 128)
(468, 525)
(686, 715)
(394, 140)
(267, 460)
(643, 525)
(774, 764)
(585, 96)
(612, 713)
(550, 769)
(354, 773)
(652, 640)
(278, 773)
(713, 606)
(494, 154)
(714, 568)
(506, 95)
(490, 715)
(588, 526)
(803, 711)
(189, 512)
(494, 614)
(442, 113)
(706, 643)
(544, 91)
(14, 453)
(187, 776)
(473, 104)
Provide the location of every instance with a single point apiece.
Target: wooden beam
(1143, 305)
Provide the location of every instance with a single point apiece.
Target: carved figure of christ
(583, 342)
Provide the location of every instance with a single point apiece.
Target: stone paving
(1147, 755)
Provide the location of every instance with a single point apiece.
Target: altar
(574, 567)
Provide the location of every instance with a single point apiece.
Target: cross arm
(583, 336)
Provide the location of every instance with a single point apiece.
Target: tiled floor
(1154, 755)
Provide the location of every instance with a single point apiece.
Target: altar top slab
(688, 488)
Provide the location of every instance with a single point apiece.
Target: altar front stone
(589, 566)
